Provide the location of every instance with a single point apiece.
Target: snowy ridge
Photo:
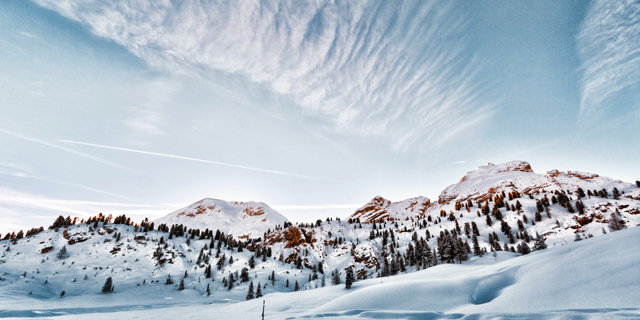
(380, 209)
(239, 219)
(486, 181)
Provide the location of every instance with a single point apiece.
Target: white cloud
(609, 47)
(371, 68)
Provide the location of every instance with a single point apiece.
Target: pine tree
(476, 247)
(273, 278)
(336, 278)
(540, 244)
(181, 286)
(244, 275)
(538, 216)
(62, 293)
(349, 278)
(208, 290)
(250, 293)
(62, 254)
(108, 286)
(169, 280)
(259, 291)
(230, 282)
(296, 287)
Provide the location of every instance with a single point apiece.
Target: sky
(141, 107)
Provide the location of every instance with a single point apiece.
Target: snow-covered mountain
(487, 181)
(381, 209)
(239, 219)
(493, 208)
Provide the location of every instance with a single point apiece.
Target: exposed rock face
(239, 219)
(379, 209)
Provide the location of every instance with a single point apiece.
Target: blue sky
(315, 107)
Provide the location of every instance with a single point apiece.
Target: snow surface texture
(592, 279)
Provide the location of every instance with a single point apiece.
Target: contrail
(20, 136)
(191, 159)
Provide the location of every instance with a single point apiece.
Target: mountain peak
(380, 208)
(240, 219)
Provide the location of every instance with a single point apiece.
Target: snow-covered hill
(239, 219)
(588, 280)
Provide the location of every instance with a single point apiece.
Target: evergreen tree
(296, 287)
(244, 275)
(169, 280)
(540, 244)
(538, 216)
(62, 293)
(108, 286)
(336, 278)
(181, 286)
(252, 262)
(250, 293)
(476, 247)
(273, 278)
(259, 291)
(62, 254)
(349, 278)
(220, 262)
(230, 281)
(208, 290)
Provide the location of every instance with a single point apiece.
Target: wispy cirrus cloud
(396, 70)
(609, 47)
